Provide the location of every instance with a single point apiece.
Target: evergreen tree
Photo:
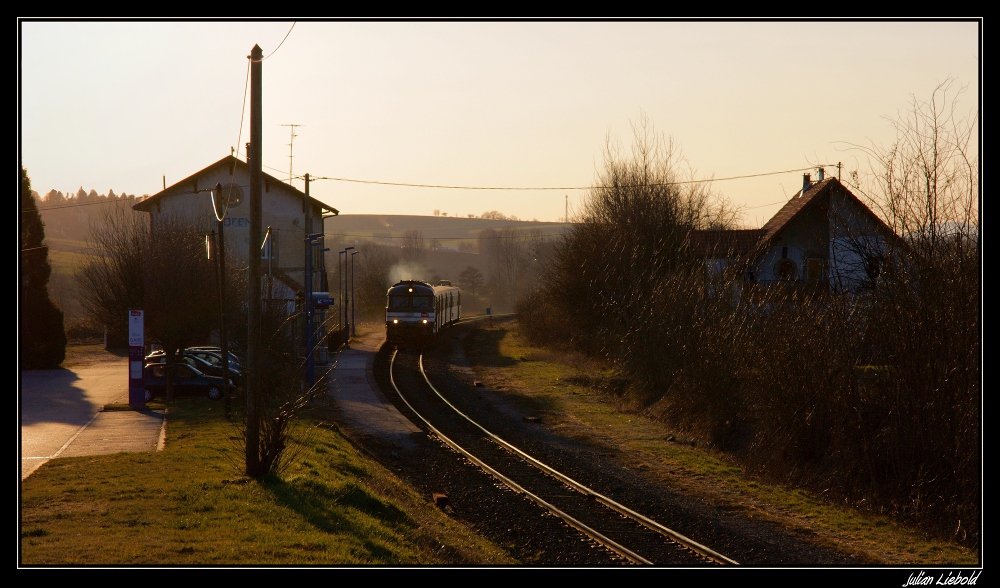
(43, 338)
(54, 197)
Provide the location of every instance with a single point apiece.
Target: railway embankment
(574, 400)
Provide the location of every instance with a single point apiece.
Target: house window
(814, 270)
(786, 270)
(873, 266)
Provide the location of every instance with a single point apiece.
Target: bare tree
(511, 258)
(168, 276)
(372, 280)
(628, 241)
(414, 247)
(925, 301)
(111, 283)
(180, 296)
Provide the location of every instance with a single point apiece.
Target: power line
(763, 205)
(445, 186)
(404, 184)
(521, 233)
(239, 136)
(282, 41)
(77, 204)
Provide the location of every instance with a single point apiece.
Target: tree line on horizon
(56, 198)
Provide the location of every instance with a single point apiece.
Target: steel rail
(610, 503)
(590, 532)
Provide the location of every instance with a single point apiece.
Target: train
(415, 312)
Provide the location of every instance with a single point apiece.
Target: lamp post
(354, 325)
(347, 325)
(310, 241)
(340, 295)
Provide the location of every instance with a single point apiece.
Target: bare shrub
(924, 324)
(414, 246)
(610, 267)
(512, 261)
(111, 283)
(871, 394)
(372, 279)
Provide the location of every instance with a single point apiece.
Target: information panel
(136, 356)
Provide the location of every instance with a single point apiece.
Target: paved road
(61, 414)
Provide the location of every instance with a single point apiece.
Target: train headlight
(395, 321)
(425, 321)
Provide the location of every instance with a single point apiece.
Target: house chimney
(819, 174)
(805, 184)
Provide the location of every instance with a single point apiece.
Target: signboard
(323, 302)
(136, 356)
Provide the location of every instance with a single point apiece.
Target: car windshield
(212, 359)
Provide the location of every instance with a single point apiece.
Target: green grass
(578, 400)
(67, 256)
(190, 505)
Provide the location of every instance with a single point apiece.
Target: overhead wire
(445, 186)
(232, 182)
(282, 41)
(439, 238)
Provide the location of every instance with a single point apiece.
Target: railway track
(629, 535)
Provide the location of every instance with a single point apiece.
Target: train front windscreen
(411, 303)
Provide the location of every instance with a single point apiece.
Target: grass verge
(582, 401)
(190, 505)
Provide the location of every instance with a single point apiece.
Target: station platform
(364, 410)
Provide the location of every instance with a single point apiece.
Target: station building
(288, 216)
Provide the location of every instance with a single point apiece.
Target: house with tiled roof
(824, 239)
(290, 215)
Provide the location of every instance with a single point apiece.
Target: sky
(125, 105)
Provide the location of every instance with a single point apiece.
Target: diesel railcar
(416, 311)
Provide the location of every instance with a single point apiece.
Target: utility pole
(221, 254)
(290, 142)
(566, 218)
(255, 154)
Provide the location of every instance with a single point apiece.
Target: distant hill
(450, 231)
(456, 239)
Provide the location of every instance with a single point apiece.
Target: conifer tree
(43, 338)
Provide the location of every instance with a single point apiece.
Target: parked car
(202, 361)
(234, 360)
(217, 353)
(188, 381)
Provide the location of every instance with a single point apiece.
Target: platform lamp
(341, 318)
(347, 324)
(354, 326)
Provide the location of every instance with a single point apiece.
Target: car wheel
(147, 394)
(214, 392)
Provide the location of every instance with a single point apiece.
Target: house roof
(742, 241)
(227, 162)
(800, 202)
(795, 206)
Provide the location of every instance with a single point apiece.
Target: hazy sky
(121, 104)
